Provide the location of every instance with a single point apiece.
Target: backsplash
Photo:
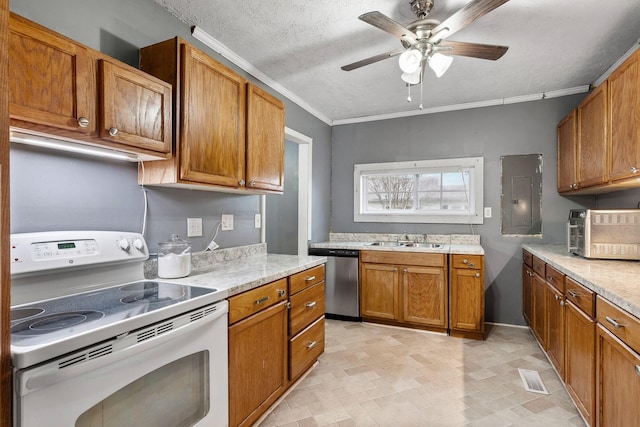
(447, 239)
(204, 261)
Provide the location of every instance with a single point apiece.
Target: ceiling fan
(424, 40)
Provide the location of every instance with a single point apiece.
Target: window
(427, 191)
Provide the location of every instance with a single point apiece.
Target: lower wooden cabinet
(305, 348)
(618, 382)
(257, 364)
(539, 312)
(555, 322)
(466, 296)
(404, 288)
(527, 297)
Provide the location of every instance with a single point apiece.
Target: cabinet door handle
(263, 299)
(310, 304)
(113, 131)
(312, 344)
(556, 297)
(464, 261)
(477, 274)
(634, 169)
(83, 122)
(310, 278)
(395, 269)
(573, 294)
(614, 323)
(252, 183)
(404, 270)
(562, 303)
(281, 292)
(241, 182)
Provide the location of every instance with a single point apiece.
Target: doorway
(287, 217)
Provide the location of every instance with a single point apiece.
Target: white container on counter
(174, 258)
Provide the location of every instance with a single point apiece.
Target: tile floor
(379, 376)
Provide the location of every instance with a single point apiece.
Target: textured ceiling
(301, 45)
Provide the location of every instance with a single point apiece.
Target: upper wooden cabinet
(592, 138)
(567, 170)
(624, 87)
(607, 141)
(59, 87)
(229, 134)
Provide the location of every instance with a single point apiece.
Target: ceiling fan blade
(372, 59)
(473, 50)
(388, 25)
(465, 16)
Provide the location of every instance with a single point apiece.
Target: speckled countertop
(236, 270)
(617, 281)
(451, 244)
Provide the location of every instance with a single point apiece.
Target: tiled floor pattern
(378, 376)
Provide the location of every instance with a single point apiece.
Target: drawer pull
(638, 370)
(573, 294)
(83, 122)
(281, 292)
(614, 323)
(562, 303)
(263, 299)
(113, 131)
(310, 304)
(550, 277)
(471, 265)
(464, 261)
(312, 344)
(310, 278)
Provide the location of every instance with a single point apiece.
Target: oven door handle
(50, 373)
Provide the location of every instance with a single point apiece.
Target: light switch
(487, 212)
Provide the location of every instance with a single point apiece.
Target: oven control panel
(33, 252)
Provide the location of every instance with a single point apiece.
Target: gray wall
(60, 191)
(489, 132)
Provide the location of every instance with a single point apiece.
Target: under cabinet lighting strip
(54, 144)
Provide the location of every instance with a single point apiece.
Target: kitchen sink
(423, 245)
(408, 244)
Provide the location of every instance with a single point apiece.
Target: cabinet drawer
(306, 306)
(250, 302)
(620, 323)
(554, 277)
(305, 348)
(403, 258)
(474, 262)
(304, 279)
(538, 266)
(527, 258)
(580, 296)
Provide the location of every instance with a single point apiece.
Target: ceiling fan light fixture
(409, 60)
(439, 63)
(412, 78)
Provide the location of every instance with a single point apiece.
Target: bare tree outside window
(390, 192)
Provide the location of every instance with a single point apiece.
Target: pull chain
(409, 89)
(421, 84)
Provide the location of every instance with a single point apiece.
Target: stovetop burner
(60, 318)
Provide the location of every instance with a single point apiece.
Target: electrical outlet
(487, 212)
(227, 222)
(194, 227)
(257, 221)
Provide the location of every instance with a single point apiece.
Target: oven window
(177, 394)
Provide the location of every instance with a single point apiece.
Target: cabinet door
(135, 108)
(580, 368)
(257, 364)
(624, 98)
(567, 176)
(424, 296)
(592, 138)
(555, 328)
(527, 297)
(539, 296)
(212, 121)
(379, 291)
(467, 300)
(52, 81)
(618, 382)
(265, 140)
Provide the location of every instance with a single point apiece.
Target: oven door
(175, 378)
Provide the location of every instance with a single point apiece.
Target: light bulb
(409, 60)
(439, 63)
(412, 78)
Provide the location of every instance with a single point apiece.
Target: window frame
(475, 165)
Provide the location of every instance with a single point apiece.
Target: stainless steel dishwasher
(342, 297)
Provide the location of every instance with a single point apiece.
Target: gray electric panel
(521, 198)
